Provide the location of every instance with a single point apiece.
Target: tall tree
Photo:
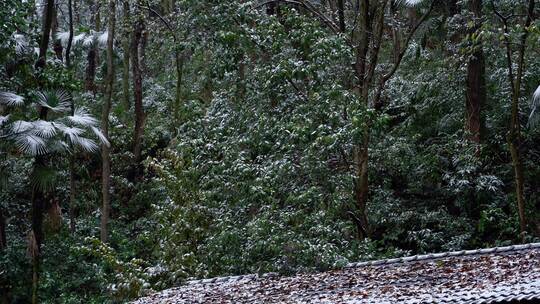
(368, 38)
(515, 81)
(38, 199)
(476, 80)
(105, 151)
(93, 55)
(136, 63)
(126, 48)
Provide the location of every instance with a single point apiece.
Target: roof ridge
(433, 256)
(422, 257)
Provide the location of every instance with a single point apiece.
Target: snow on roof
(490, 275)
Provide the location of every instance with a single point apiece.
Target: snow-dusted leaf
(21, 126)
(56, 101)
(31, 144)
(43, 128)
(11, 99)
(100, 136)
(102, 38)
(78, 38)
(82, 118)
(86, 144)
(534, 118)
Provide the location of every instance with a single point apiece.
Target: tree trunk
(178, 96)
(70, 39)
(476, 82)
(92, 56)
(57, 45)
(137, 93)
(514, 133)
(3, 242)
(106, 161)
(38, 197)
(125, 47)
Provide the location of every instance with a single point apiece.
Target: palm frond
(102, 138)
(78, 38)
(72, 133)
(21, 126)
(102, 38)
(21, 44)
(85, 144)
(56, 101)
(43, 128)
(31, 144)
(3, 119)
(83, 118)
(44, 178)
(63, 37)
(88, 40)
(409, 3)
(534, 118)
(11, 99)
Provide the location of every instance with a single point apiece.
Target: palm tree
(57, 132)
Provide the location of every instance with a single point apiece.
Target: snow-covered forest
(144, 143)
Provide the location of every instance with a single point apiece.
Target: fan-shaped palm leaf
(56, 101)
(21, 44)
(85, 144)
(21, 126)
(102, 38)
(78, 38)
(82, 118)
(44, 178)
(43, 129)
(100, 136)
(11, 99)
(31, 144)
(63, 37)
(534, 118)
(3, 119)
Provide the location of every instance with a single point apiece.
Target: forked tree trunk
(476, 81)
(514, 133)
(106, 161)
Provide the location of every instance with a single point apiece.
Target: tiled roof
(489, 275)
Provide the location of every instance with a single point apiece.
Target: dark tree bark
(38, 196)
(105, 157)
(57, 45)
(476, 81)
(127, 51)
(3, 242)
(70, 39)
(140, 115)
(92, 56)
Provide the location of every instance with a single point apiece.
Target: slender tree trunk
(3, 242)
(92, 56)
(476, 82)
(72, 191)
(341, 15)
(70, 39)
(57, 45)
(178, 96)
(127, 51)
(3, 245)
(140, 116)
(106, 161)
(38, 197)
(514, 133)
